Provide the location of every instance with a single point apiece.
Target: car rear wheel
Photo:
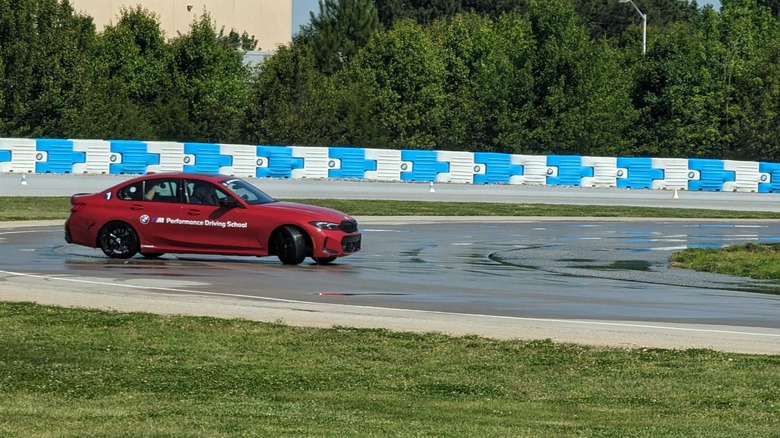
(118, 240)
(324, 260)
(290, 245)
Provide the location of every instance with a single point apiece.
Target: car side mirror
(228, 202)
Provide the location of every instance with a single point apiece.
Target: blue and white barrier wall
(19, 155)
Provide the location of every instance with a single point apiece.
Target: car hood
(306, 212)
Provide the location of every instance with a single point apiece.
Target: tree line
(511, 76)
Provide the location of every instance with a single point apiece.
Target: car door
(220, 228)
(148, 206)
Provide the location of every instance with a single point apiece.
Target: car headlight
(325, 225)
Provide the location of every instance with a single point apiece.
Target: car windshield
(247, 192)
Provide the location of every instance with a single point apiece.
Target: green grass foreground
(37, 208)
(752, 260)
(85, 373)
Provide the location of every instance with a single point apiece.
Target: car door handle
(193, 212)
(136, 207)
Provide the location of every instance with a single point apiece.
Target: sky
(301, 9)
(300, 12)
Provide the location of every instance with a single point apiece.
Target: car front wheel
(118, 240)
(290, 245)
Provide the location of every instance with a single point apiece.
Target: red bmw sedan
(206, 214)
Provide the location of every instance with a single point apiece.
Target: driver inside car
(204, 194)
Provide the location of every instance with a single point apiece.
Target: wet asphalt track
(599, 270)
(609, 270)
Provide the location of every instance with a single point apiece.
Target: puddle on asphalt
(622, 265)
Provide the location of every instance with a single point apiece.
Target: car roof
(212, 177)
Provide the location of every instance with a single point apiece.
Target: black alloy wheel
(118, 240)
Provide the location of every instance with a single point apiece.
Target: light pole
(644, 24)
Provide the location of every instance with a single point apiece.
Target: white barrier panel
(676, 173)
(98, 156)
(388, 164)
(23, 155)
(171, 154)
(604, 172)
(315, 162)
(245, 160)
(462, 167)
(746, 176)
(534, 169)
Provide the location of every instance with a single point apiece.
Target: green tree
(679, 93)
(45, 50)
(580, 98)
(211, 82)
(749, 34)
(132, 71)
(292, 102)
(340, 29)
(477, 71)
(394, 90)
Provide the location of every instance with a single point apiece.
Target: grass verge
(72, 372)
(37, 208)
(759, 261)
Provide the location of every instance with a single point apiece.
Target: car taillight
(77, 207)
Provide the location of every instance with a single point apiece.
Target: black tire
(324, 260)
(152, 255)
(118, 240)
(290, 245)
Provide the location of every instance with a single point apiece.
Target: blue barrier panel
(570, 170)
(5, 155)
(60, 156)
(207, 158)
(280, 162)
(640, 173)
(425, 166)
(498, 168)
(135, 157)
(773, 184)
(711, 175)
(353, 163)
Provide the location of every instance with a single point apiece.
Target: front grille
(351, 243)
(349, 226)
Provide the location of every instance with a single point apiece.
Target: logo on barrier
(39, 156)
(404, 166)
(620, 174)
(477, 169)
(763, 178)
(187, 160)
(260, 162)
(113, 158)
(691, 175)
(331, 164)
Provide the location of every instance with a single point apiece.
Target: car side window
(133, 192)
(161, 190)
(204, 193)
